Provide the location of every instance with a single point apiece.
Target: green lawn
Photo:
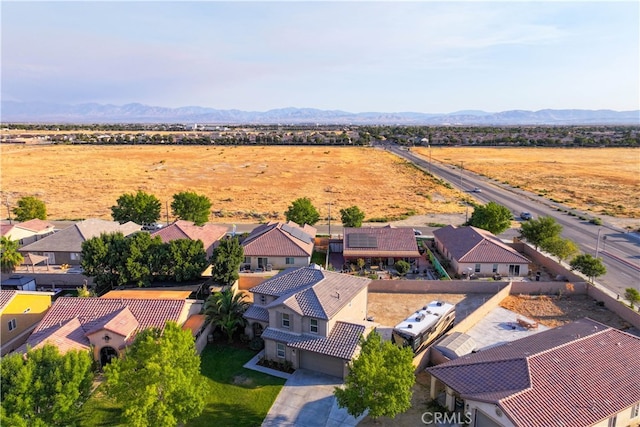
(237, 396)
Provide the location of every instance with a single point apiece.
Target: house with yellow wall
(20, 313)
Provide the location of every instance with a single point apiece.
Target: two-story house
(310, 317)
(20, 312)
(279, 245)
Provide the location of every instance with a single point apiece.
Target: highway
(619, 250)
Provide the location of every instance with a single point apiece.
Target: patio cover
(33, 260)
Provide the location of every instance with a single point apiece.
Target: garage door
(483, 420)
(321, 363)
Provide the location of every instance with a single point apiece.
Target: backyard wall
(616, 306)
(202, 340)
(435, 286)
(549, 264)
(56, 280)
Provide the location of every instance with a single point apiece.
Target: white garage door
(321, 363)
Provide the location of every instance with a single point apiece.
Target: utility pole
(598, 242)
(430, 159)
(461, 167)
(166, 210)
(326, 262)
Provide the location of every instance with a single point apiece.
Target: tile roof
(70, 336)
(70, 239)
(6, 297)
(5, 229)
(341, 342)
(96, 313)
(382, 242)
(474, 245)
(257, 312)
(279, 239)
(310, 291)
(35, 225)
(577, 374)
(195, 323)
(146, 294)
(208, 234)
(121, 322)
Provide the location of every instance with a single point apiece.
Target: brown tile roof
(310, 291)
(70, 239)
(576, 374)
(35, 225)
(380, 242)
(5, 297)
(95, 313)
(5, 229)
(208, 234)
(70, 336)
(474, 245)
(122, 322)
(281, 240)
(341, 342)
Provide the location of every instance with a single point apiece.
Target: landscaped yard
(236, 396)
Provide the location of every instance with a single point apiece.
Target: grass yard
(236, 396)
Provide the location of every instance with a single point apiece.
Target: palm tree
(225, 309)
(10, 256)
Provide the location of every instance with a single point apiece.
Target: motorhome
(424, 326)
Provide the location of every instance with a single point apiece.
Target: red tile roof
(380, 242)
(474, 245)
(576, 374)
(35, 225)
(279, 239)
(94, 314)
(208, 234)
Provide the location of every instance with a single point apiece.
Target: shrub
(256, 344)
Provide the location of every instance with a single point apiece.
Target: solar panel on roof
(362, 241)
(297, 233)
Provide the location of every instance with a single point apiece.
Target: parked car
(417, 232)
(476, 190)
(526, 216)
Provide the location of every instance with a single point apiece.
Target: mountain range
(39, 112)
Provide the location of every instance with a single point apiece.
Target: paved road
(620, 251)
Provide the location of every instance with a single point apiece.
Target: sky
(356, 56)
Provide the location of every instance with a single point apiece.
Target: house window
(247, 260)
(495, 268)
(289, 261)
(612, 421)
(635, 410)
(286, 322)
(280, 350)
(477, 269)
(514, 270)
(313, 326)
(263, 299)
(75, 256)
(12, 324)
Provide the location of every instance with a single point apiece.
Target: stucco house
(472, 250)
(309, 317)
(580, 374)
(28, 231)
(65, 246)
(208, 234)
(379, 245)
(108, 324)
(279, 246)
(20, 312)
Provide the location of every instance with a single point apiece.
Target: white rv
(424, 326)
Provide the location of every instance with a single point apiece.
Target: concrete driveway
(307, 400)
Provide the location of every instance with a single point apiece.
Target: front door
(106, 354)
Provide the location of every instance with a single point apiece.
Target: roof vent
(409, 326)
(439, 304)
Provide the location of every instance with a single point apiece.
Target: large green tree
(191, 206)
(559, 247)
(379, 380)
(301, 211)
(225, 309)
(226, 260)
(30, 207)
(352, 217)
(45, 387)
(491, 217)
(588, 265)
(10, 258)
(536, 231)
(141, 208)
(187, 259)
(632, 295)
(158, 381)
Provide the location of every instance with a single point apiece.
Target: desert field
(603, 181)
(245, 184)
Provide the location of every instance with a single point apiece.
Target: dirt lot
(245, 184)
(599, 180)
(554, 311)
